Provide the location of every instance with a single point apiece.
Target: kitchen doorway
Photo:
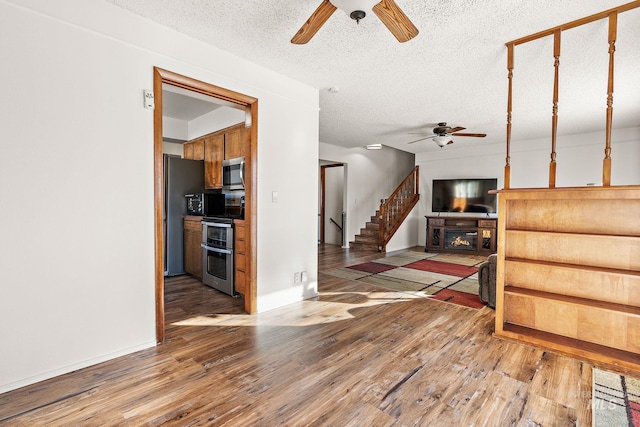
(332, 216)
(251, 106)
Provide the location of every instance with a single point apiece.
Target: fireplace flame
(460, 242)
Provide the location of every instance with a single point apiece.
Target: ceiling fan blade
(314, 23)
(477, 135)
(421, 139)
(395, 20)
(456, 129)
(450, 142)
(422, 133)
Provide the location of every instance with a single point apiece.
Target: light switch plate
(148, 99)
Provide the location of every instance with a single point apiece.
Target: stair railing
(395, 209)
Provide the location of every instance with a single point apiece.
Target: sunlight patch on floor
(326, 308)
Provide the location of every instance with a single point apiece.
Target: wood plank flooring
(357, 355)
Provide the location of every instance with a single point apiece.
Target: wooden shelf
(599, 355)
(568, 273)
(573, 300)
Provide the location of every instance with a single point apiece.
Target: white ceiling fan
(386, 10)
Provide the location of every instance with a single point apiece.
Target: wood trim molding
(576, 23)
(161, 76)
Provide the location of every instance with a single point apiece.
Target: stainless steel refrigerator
(181, 176)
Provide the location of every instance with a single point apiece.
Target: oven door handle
(216, 224)
(218, 250)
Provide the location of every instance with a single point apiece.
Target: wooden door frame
(161, 76)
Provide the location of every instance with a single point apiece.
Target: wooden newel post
(554, 115)
(507, 167)
(382, 222)
(606, 164)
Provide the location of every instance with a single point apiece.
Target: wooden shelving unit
(568, 274)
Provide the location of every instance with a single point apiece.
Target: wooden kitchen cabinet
(187, 150)
(192, 248)
(224, 144)
(213, 155)
(234, 142)
(240, 246)
(193, 150)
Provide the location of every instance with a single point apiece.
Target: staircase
(369, 237)
(387, 220)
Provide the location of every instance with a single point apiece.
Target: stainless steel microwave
(233, 174)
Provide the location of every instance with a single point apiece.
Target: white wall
(373, 175)
(77, 255)
(579, 163)
(218, 119)
(175, 128)
(172, 148)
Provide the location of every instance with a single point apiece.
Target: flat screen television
(464, 195)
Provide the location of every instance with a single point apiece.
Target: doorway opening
(164, 77)
(332, 218)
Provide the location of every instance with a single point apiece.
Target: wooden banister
(395, 209)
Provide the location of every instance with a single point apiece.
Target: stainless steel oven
(217, 254)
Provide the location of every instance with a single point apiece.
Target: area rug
(445, 277)
(371, 267)
(447, 268)
(460, 298)
(616, 400)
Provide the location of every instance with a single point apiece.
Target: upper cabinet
(234, 142)
(194, 150)
(213, 148)
(213, 155)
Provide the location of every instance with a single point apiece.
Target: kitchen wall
(220, 118)
(77, 253)
(175, 129)
(579, 163)
(373, 175)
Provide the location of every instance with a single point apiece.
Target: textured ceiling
(453, 71)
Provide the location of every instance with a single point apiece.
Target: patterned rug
(616, 400)
(446, 277)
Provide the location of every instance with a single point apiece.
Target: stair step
(359, 238)
(363, 246)
(369, 231)
(372, 226)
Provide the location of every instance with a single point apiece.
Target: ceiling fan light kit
(355, 9)
(386, 10)
(442, 140)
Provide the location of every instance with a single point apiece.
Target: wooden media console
(461, 234)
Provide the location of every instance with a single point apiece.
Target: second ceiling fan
(443, 135)
(386, 10)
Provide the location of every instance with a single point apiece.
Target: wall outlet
(304, 276)
(296, 277)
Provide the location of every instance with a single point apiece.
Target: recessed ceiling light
(374, 147)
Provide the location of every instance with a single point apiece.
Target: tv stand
(461, 234)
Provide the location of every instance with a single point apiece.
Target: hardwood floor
(357, 355)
